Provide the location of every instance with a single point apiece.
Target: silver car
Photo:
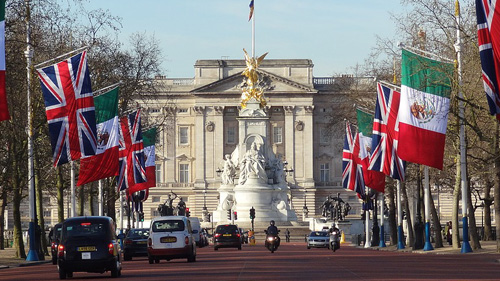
(318, 239)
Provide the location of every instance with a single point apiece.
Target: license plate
(141, 242)
(87, 249)
(168, 239)
(227, 235)
(86, 256)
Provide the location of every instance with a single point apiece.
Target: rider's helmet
(271, 222)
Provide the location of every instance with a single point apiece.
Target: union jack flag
(488, 35)
(384, 157)
(131, 153)
(69, 105)
(352, 175)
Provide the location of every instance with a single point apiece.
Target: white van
(196, 226)
(171, 237)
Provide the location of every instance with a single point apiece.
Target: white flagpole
(427, 210)
(73, 199)
(401, 245)
(100, 199)
(382, 231)
(253, 31)
(62, 56)
(463, 157)
(368, 242)
(32, 253)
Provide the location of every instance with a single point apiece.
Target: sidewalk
(8, 259)
(487, 247)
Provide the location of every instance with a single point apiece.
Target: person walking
(287, 235)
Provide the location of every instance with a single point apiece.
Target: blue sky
(335, 34)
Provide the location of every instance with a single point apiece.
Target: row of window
(184, 173)
(230, 135)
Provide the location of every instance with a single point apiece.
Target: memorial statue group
(167, 208)
(334, 208)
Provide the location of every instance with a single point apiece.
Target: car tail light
(111, 249)
(150, 242)
(237, 234)
(60, 251)
(53, 245)
(217, 235)
(186, 240)
(128, 241)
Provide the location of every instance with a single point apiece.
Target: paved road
(292, 262)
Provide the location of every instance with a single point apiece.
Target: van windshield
(168, 225)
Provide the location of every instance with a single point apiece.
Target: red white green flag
(4, 109)
(149, 140)
(104, 163)
(423, 109)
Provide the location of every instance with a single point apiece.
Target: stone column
(289, 134)
(169, 145)
(309, 143)
(199, 145)
(219, 139)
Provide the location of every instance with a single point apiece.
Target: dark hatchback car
(54, 236)
(227, 236)
(135, 243)
(88, 244)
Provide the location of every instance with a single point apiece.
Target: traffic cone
(342, 237)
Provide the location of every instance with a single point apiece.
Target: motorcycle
(272, 241)
(335, 240)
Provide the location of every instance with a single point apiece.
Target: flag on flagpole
(384, 157)
(423, 109)
(149, 140)
(69, 105)
(352, 176)
(4, 109)
(372, 179)
(251, 10)
(488, 36)
(131, 152)
(105, 162)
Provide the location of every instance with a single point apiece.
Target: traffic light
(188, 213)
(235, 215)
(252, 213)
(141, 216)
(229, 214)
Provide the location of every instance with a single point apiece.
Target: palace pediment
(271, 83)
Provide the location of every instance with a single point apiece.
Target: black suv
(55, 236)
(227, 236)
(88, 244)
(135, 243)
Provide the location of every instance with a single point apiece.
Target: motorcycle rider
(273, 231)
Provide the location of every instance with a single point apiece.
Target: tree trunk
(411, 238)
(437, 225)
(39, 212)
(81, 200)
(112, 197)
(60, 194)
(2, 219)
(454, 214)
(486, 212)
(18, 231)
(91, 199)
(392, 215)
(497, 187)
(473, 233)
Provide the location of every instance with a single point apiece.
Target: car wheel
(115, 271)
(215, 248)
(54, 261)
(157, 260)
(69, 274)
(308, 247)
(191, 258)
(62, 273)
(239, 247)
(150, 259)
(127, 257)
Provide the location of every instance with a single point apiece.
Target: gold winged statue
(252, 80)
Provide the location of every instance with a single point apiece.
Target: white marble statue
(229, 172)
(253, 163)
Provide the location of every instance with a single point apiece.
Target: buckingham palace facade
(199, 127)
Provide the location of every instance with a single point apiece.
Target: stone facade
(200, 126)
